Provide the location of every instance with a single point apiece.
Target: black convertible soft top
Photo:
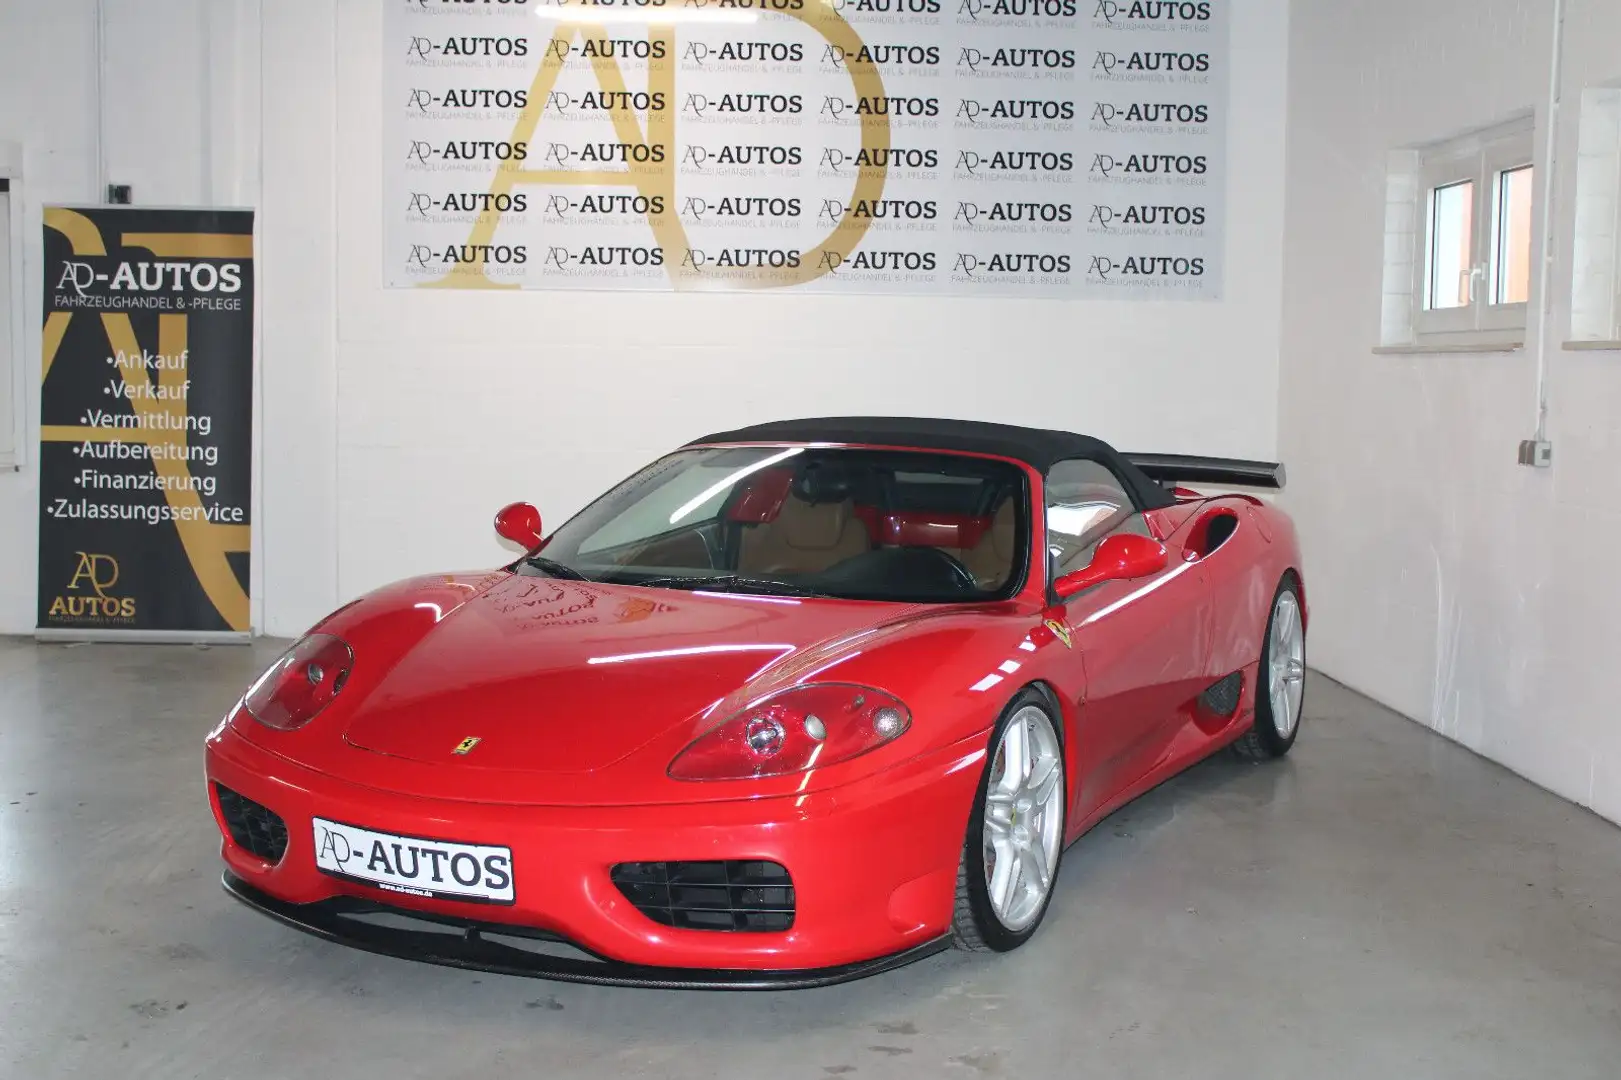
(1037, 447)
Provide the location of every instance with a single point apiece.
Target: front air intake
(739, 895)
(254, 828)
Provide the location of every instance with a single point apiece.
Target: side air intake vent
(737, 895)
(1222, 698)
(253, 827)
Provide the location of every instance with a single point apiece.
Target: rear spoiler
(1171, 469)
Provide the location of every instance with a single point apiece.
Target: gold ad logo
(94, 576)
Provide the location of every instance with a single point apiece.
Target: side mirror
(520, 523)
(1119, 558)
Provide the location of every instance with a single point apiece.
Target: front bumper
(874, 868)
(464, 943)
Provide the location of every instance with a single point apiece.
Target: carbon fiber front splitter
(467, 944)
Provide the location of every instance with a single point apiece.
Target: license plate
(413, 865)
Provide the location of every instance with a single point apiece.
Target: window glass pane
(1513, 255)
(687, 496)
(1452, 218)
(895, 525)
(1085, 502)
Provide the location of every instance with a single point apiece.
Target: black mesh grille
(736, 895)
(1222, 698)
(252, 826)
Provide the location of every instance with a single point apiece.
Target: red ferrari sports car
(794, 704)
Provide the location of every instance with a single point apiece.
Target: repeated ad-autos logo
(1150, 118)
(462, 155)
(1029, 14)
(1146, 270)
(1150, 170)
(897, 162)
(1015, 166)
(469, 51)
(1147, 219)
(1014, 217)
(1012, 266)
(1152, 16)
(879, 264)
(501, 262)
(465, 103)
(1012, 62)
(735, 108)
(738, 210)
(599, 207)
(1151, 67)
(743, 56)
(910, 13)
(584, 261)
(1015, 114)
(881, 215)
(732, 159)
(466, 206)
(904, 111)
(720, 261)
(598, 106)
(895, 58)
(599, 156)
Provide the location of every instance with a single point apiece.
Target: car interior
(863, 524)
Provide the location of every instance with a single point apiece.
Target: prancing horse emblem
(1060, 631)
(466, 745)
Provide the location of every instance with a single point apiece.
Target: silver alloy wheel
(1024, 818)
(1286, 681)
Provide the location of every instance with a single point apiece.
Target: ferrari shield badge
(466, 745)
(1060, 631)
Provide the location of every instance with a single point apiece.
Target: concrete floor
(1381, 904)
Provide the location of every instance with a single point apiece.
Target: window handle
(1477, 274)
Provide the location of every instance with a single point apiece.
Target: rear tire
(1027, 803)
(1280, 691)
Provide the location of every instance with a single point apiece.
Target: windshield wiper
(734, 583)
(555, 568)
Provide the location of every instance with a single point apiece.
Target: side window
(1085, 503)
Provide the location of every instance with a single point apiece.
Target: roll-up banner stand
(146, 418)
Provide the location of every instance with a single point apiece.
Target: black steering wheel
(961, 575)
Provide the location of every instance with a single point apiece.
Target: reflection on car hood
(566, 676)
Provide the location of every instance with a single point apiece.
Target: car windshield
(806, 521)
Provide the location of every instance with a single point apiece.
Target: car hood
(562, 676)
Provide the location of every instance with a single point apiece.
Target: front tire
(1015, 835)
(1280, 694)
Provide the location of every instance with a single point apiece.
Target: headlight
(302, 683)
(798, 729)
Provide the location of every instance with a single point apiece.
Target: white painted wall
(393, 424)
(1469, 593)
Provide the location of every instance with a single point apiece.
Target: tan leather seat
(804, 538)
(991, 560)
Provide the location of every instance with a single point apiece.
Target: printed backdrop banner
(1044, 148)
(146, 421)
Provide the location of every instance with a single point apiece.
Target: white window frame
(1480, 158)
